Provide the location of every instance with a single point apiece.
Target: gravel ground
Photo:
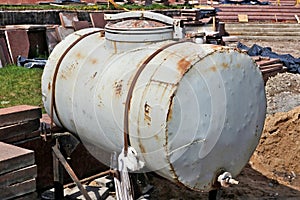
(283, 92)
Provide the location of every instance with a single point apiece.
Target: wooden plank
(15, 132)
(243, 18)
(297, 18)
(20, 113)
(18, 189)
(274, 69)
(17, 176)
(268, 62)
(13, 157)
(278, 65)
(255, 58)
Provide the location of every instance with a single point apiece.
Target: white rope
(126, 163)
(226, 179)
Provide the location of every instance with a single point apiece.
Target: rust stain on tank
(169, 117)
(115, 46)
(49, 86)
(147, 109)
(118, 87)
(102, 33)
(78, 55)
(156, 137)
(216, 47)
(225, 65)
(100, 103)
(68, 71)
(63, 76)
(170, 111)
(142, 148)
(213, 68)
(94, 61)
(183, 65)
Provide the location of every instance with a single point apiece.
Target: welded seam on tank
(131, 88)
(53, 103)
(172, 169)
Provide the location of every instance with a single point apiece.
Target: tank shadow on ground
(252, 185)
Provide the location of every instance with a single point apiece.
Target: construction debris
(197, 16)
(257, 13)
(269, 66)
(31, 63)
(270, 61)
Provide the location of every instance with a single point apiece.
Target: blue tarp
(292, 64)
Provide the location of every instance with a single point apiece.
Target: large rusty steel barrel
(192, 109)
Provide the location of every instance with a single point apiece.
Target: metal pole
(58, 177)
(212, 195)
(63, 161)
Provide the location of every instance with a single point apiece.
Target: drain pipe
(225, 180)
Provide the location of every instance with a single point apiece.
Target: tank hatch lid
(141, 26)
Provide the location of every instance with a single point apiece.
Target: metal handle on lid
(176, 23)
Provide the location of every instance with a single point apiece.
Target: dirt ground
(273, 171)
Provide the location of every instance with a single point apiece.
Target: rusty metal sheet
(268, 62)
(13, 157)
(17, 114)
(22, 130)
(17, 176)
(18, 189)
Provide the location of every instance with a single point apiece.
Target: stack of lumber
(19, 123)
(286, 12)
(17, 172)
(196, 16)
(269, 66)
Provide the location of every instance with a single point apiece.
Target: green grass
(19, 86)
(154, 6)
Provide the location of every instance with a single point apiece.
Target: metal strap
(131, 88)
(53, 103)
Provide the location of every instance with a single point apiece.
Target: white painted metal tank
(193, 109)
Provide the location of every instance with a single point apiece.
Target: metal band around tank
(131, 88)
(53, 104)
